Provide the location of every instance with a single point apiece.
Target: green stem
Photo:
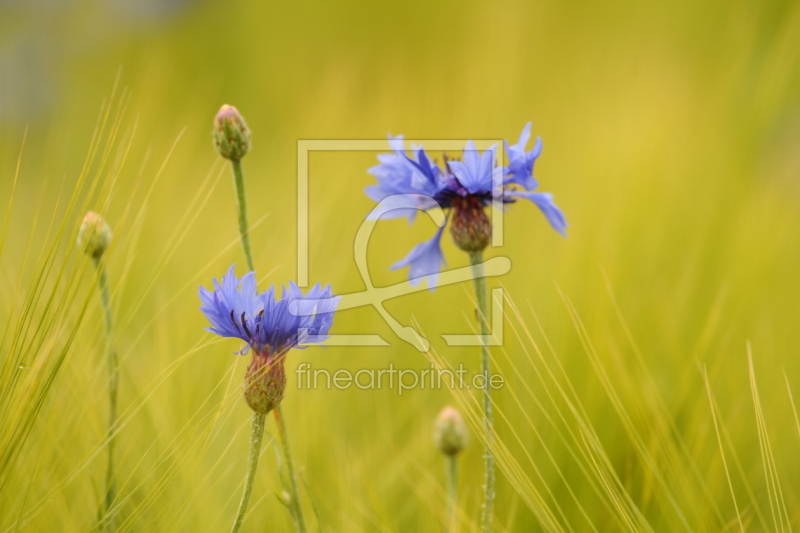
(482, 296)
(256, 436)
(113, 383)
(300, 523)
(452, 491)
(241, 208)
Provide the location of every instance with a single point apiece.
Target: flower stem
(452, 491)
(256, 436)
(297, 509)
(241, 208)
(482, 296)
(113, 381)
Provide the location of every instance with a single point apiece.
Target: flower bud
(94, 235)
(471, 228)
(231, 134)
(265, 382)
(450, 431)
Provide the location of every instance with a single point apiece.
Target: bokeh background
(671, 141)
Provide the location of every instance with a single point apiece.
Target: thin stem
(452, 491)
(256, 436)
(482, 296)
(241, 209)
(113, 382)
(300, 523)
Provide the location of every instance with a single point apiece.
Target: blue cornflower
(409, 183)
(269, 325)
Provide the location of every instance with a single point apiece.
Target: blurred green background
(671, 141)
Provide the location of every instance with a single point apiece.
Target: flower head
(465, 188)
(269, 325)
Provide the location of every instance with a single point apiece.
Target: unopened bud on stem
(231, 134)
(94, 236)
(450, 432)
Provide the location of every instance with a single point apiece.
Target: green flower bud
(265, 382)
(94, 235)
(450, 431)
(471, 228)
(231, 134)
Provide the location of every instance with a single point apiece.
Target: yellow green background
(671, 138)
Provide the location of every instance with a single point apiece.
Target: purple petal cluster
(476, 177)
(268, 324)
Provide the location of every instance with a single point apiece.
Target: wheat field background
(650, 357)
